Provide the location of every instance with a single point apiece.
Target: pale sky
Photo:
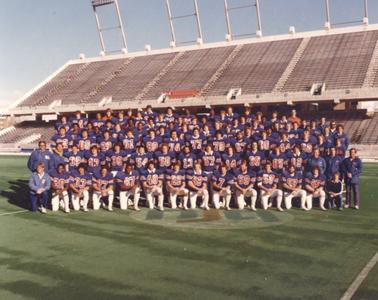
(37, 37)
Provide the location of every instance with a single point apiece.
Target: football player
(103, 188)
(80, 183)
(292, 187)
(244, 182)
(60, 180)
(267, 182)
(221, 187)
(197, 184)
(314, 184)
(152, 179)
(175, 179)
(128, 184)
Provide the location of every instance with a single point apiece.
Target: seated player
(59, 186)
(80, 183)
(197, 185)
(267, 182)
(244, 182)
(164, 158)
(128, 184)
(314, 183)
(103, 188)
(292, 187)
(221, 187)
(152, 179)
(334, 189)
(39, 186)
(175, 179)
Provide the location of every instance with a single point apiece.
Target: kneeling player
(59, 186)
(292, 184)
(128, 184)
(152, 184)
(176, 185)
(197, 184)
(103, 187)
(221, 187)
(81, 181)
(314, 183)
(267, 182)
(244, 182)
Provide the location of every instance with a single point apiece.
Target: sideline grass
(102, 255)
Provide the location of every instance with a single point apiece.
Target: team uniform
(224, 190)
(316, 183)
(294, 181)
(152, 180)
(199, 180)
(245, 180)
(59, 187)
(82, 183)
(128, 185)
(103, 183)
(177, 181)
(269, 181)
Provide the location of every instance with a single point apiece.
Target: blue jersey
(126, 181)
(65, 140)
(74, 159)
(105, 144)
(292, 180)
(116, 159)
(59, 181)
(245, 179)
(152, 144)
(152, 178)
(222, 180)
(129, 143)
(140, 160)
(80, 182)
(267, 180)
(175, 145)
(279, 162)
(315, 182)
(187, 160)
(176, 179)
(103, 182)
(196, 143)
(85, 144)
(232, 161)
(218, 145)
(210, 160)
(164, 160)
(197, 179)
(81, 122)
(94, 162)
(255, 160)
(56, 160)
(298, 160)
(307, 146)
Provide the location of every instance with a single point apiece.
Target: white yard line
(13, 212)
(360, 278)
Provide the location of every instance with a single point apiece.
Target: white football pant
(125, 195)
(56, 197)
(265, 197)
(150, 196)
(298, 193)
(240, 198)
(321, 195)
(226, 194)
(205, 198)
(76, 200)
(173, 197)
(97, 200)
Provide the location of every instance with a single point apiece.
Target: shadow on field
(18, 193)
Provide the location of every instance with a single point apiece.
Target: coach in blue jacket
(352, 168)
(39, 186)
(40, 155)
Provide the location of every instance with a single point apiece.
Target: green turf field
(119, 255)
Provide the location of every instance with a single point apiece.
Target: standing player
(352, 168)
(314, 185)
(244, 182)
(153, 185)
(59, 186)
(80, 183)
(116, 158)
(103, 188)
(128, 184)
(94, 160)
(267, 182)
(292, 186)
(175, 179)
(197, 184)
(221, 187)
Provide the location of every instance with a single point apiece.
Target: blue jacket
(35, 182)
(55, 160)
(353, 166)
(38, 156)
(317, 162)
(333, 165)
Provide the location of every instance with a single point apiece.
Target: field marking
(13, 212)
(360, 278)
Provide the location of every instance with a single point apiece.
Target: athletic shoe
(346, 205)
(206, 208)
(43, 210)
(85, 209)
(161, 208)
(279, 209)
(357, 207)
(185, 208)
(137, 208)
(110, 208)
(228, 208)
(323, 208)
(67, 211)
(270, 204)
(253, 208)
